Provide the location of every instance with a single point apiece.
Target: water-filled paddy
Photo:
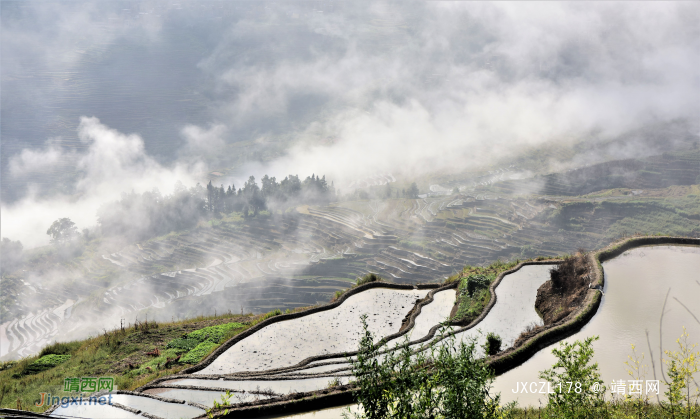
(636, 284)
(513, 312)
(331, 413)
(204, 397)
(165, 410)
(95, 411)
(287, 343)
(433, 313)
(277, 386)
(515, 306)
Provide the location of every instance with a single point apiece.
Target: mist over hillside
(182, 90)
(445, 134)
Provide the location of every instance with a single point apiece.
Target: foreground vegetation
(133, 356)
(451, 382)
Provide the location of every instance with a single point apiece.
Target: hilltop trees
(252, 198)
(139, 216)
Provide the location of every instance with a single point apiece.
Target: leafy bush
(60, 348)
(574, 365)
(682, 366)
(493, 344)
(470, 308)
(273, 313)
(191, 341)
(198, 353)
(475, 282)
(450, 383)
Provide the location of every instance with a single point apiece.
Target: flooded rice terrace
(514, 310)
(636, 285)
(337, 330)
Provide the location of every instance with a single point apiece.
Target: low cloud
(112, 163)
(202, 140)
(433, 87)
(32, 161)
(403, 89)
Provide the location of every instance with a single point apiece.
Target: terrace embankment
(566, 289)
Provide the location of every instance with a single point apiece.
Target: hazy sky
(104, 97)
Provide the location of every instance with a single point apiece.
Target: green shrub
(370, 277)
(574, 365)
(183, 344)
(474, 283)
(470, 308)
(449, 383)
(198, 353)
(44, 363)
(215, 333)
(273, 313)
(493, 344)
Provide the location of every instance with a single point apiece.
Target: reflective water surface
(636, 285)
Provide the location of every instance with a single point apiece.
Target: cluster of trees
(140, 216)
(252, 198)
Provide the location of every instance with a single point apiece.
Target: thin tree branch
(653, 366)
(661, 319)
(696, 319)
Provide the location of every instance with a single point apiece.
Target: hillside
(302, 256)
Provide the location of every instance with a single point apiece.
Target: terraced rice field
(434, 313)
(268, 363)
(301, 258)
(27, 335)
(286, 344)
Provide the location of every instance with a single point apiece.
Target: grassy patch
(129, 356)
(200, 343)
(44, 363)
(214, 333)
(199, 352)
(471, 306)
